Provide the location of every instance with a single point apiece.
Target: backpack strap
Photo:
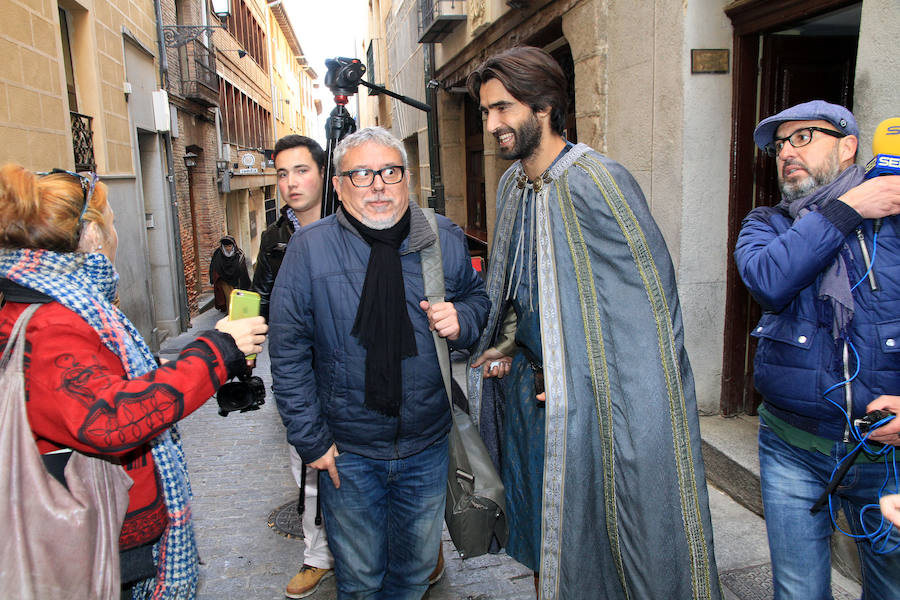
(17, 331)
(433, 277)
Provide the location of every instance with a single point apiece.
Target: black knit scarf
(382, 322)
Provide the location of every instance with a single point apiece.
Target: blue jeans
(384, 522)
(792, 480)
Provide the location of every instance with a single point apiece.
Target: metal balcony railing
(199, 81)
(437, 18)
(83, 142)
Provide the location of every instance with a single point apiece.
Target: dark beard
(528, 138)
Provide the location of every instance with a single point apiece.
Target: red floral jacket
(78, 396)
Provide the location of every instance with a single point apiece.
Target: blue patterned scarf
(86, 284)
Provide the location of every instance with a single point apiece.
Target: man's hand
(889, 433)
(890, 508)
(326, 463)
(442, 318)
(875, 198)
(496, 364)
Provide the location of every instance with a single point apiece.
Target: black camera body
(865, 423)
(343, 75)
(248, 393)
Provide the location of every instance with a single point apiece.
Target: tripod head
(343, 75)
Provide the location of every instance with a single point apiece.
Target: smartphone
(243, 304)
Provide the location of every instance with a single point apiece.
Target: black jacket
(272, 246)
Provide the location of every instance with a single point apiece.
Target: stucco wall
(876, 93)
(703, 256)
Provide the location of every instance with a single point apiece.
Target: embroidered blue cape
(625, 511)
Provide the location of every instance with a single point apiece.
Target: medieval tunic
(623, 510)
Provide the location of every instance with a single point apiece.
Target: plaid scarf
(86, 284)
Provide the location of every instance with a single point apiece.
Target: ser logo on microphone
(886, 148)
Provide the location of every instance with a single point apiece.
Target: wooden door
(792, 69)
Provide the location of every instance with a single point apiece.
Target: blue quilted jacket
(797, 359)
(318, 368)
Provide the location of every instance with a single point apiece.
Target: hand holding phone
(243, 304)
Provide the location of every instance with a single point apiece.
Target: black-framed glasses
(88, 182)
(366, 177)
(798, 139)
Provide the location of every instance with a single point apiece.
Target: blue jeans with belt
(792, 480)
(384, 522)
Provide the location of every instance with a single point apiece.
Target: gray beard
(380, 224)
(816, 179)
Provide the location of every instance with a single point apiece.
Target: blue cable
(880, 537)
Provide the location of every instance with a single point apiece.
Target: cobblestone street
(240, 474)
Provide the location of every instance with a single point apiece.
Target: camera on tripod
(343, 75)
(343, 78)
(248, 393)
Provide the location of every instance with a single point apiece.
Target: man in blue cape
(605, 489)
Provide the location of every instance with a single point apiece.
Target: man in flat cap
(825, 266)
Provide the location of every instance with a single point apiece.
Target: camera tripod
(343, 78)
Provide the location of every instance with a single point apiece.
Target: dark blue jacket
(797, 359)
(313, 308)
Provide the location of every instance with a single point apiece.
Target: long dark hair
(532, 76)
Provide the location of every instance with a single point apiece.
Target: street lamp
(190, 160)
(221, 8)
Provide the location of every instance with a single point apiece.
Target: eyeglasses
(798, 139)
(88, 182)
(366, 177)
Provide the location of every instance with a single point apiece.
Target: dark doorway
(476, 218)
(200, 269)
(801, 54)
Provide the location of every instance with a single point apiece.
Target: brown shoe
(438, 570)
(307, 581)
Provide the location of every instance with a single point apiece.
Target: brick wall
(207, 224)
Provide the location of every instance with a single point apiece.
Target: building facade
(294, 105)
(173, 107)
(80, 89)
(672, 91)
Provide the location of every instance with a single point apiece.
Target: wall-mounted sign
(709, 61)
(248, 159)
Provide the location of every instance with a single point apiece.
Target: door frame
(750, 19)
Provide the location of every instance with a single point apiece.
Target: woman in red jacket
(91, 382)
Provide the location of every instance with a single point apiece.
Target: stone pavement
(240, 474)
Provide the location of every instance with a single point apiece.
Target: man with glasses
(355, 370)
(824, 263)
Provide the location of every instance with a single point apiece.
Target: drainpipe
(434, 154)
(183, 311)
(275, 109)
